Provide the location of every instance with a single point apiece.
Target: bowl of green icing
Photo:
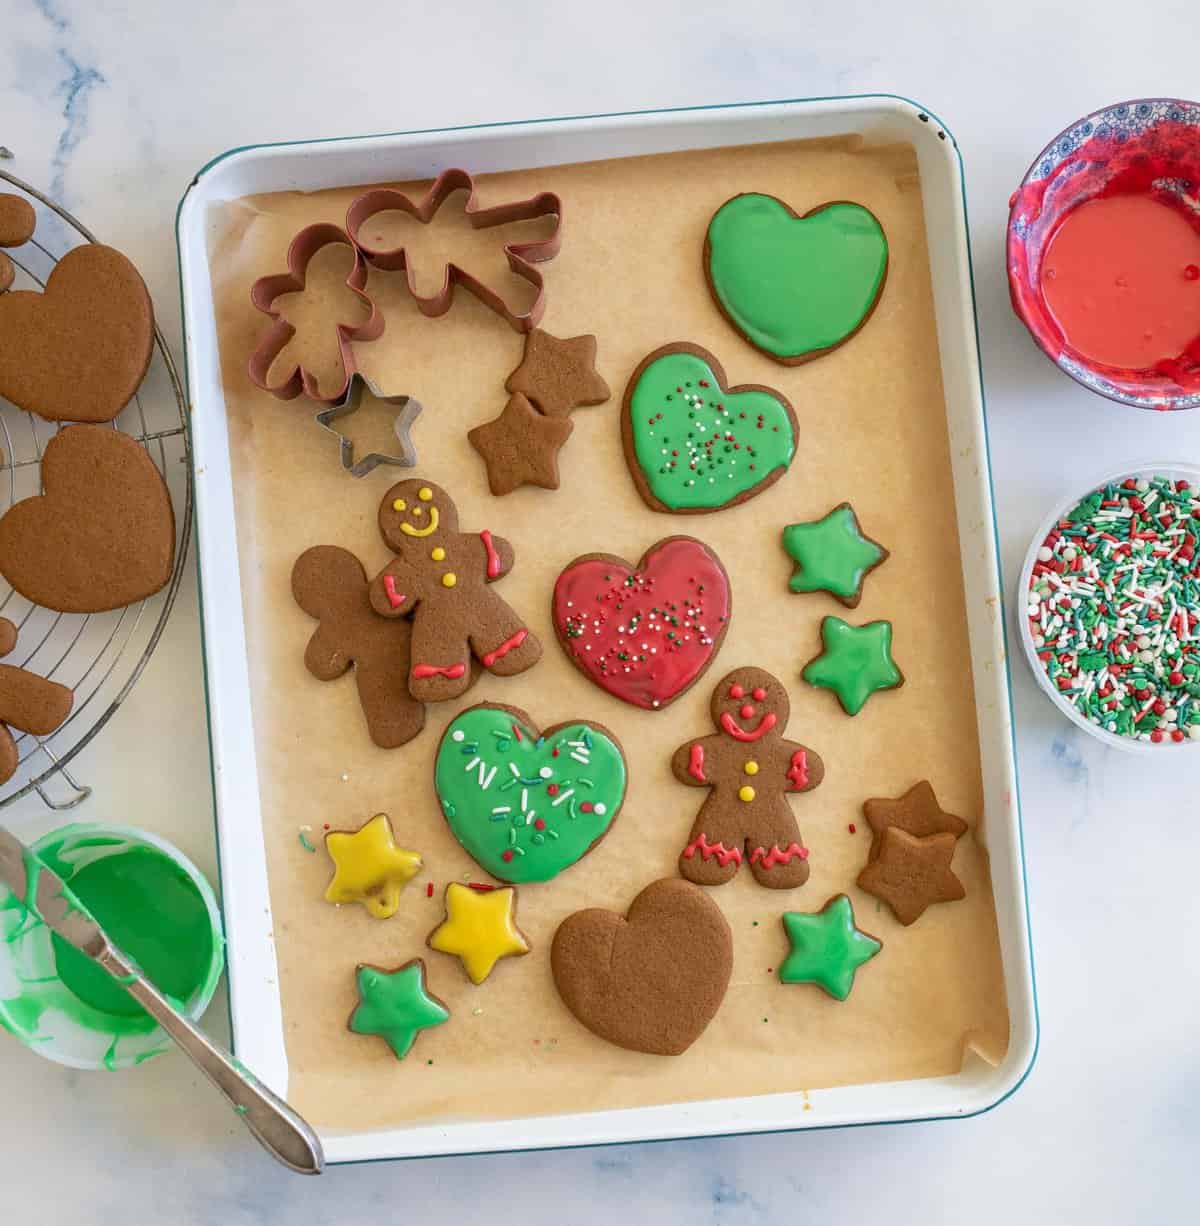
(153, 903)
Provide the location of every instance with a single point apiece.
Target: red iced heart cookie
(644, 633)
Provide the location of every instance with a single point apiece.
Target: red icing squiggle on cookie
(453, 671)
(778, 855)
(493, 558)
(395, 598)
(696, 763)
(798, 771)
(508, 645)
(644, 635)
(707, 850)
(765, 725)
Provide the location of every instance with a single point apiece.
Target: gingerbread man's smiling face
(748, 704)
(413, 511)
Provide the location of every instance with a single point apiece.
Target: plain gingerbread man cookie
(750, 768)
(441, 578)
(330, 584)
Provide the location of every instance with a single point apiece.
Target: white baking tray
(313, 165)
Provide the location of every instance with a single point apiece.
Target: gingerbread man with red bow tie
(441, 578)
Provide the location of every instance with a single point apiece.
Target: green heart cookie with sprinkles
(795, 287)
(527, 804)
(693, 443)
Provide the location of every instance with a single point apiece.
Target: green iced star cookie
(827, 948)
(832, 555)
(396, 1005)
(856, 661)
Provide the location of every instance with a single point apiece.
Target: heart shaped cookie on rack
(102, 536)
(79, 350)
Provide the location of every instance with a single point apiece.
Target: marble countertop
(112, 106)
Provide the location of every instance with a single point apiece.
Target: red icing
(453, 671)
(1105, 168)
(696, 763)
(765, 725)
(1114, 278)
(747, 711)
(798, 771)
(493, 558)
(736, 691)
(645, 635)
(759, 694)
(778, 855)
(707, 850)
(508, 645)
(395, 598)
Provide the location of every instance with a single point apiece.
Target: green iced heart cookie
(795, 287)
(526, 804)
(694, 444)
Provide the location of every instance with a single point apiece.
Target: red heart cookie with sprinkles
(644, 633)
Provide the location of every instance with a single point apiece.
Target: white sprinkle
(545, 772)
(458, 735)
(1044, 554)
(600, 808)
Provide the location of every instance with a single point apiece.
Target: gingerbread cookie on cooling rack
(441, 577)
(28, 703)
(750, 768)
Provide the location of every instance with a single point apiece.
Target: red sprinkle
(507, 856)
(539, 824)
(551, 790)
(429, 889)
(482, 886)
(586, 807)
(853, 828)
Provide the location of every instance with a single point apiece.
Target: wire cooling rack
(98, 655)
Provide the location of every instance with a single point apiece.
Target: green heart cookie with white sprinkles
(693, 443)
(525, 805)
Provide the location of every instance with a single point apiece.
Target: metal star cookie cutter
(521, 256)
(351, 402)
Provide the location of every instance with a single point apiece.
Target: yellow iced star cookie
(480, 928)
(369, 868)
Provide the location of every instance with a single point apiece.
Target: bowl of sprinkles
(1109, 608)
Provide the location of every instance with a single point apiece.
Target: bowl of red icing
(1104, 252)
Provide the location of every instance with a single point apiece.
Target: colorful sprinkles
(1114, 609)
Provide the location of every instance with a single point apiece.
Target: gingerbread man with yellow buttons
(440, 578)
(749, 767)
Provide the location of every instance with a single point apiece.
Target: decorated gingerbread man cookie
(440, 577)
(750, 768)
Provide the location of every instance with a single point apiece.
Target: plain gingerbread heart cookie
(650, 980)
(102, 536)
(78, 351)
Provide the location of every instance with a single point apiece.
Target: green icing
(527, 806)
(795, 285)
(856, 661)
(826, 947)
(152, 911)
(831, 554)
(396, 1006)
(698, 446)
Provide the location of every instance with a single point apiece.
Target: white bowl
(78, 1037)
(1173, 471)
